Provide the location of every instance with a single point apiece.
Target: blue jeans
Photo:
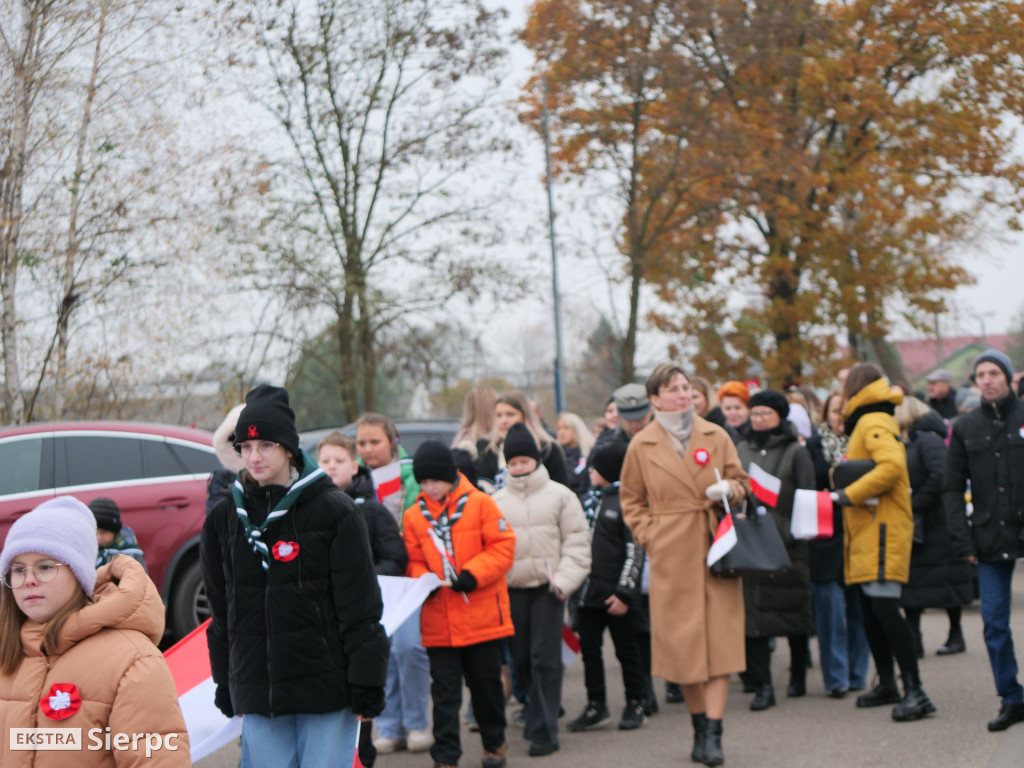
(299, 741)
(407, 691)
(842, 644)
(994, 586)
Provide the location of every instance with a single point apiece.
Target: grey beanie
(993, 355)
(62, 528)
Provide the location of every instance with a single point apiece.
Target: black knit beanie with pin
(268, 416)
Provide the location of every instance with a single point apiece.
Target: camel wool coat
(696, 618)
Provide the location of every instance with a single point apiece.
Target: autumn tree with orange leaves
(849, 151)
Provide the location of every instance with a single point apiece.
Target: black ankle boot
(764, 697)
(955, 643)
(700, 726)
(915, 703)
(884, 693)
(713, 754)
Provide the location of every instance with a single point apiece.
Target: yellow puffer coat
(878, 539)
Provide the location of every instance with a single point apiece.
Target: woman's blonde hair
(11, 620)
(584, 437)
(478, 413)
(516, 399)
(909, 411)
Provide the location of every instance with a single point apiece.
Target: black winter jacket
(938, 578)
(303, 636)
(779, 603)
(386, 542)
(616, 560)
(987, 448)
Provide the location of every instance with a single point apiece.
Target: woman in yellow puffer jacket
(879, 527)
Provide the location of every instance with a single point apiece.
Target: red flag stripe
(569, 638)
(189, 659)
(824, 515)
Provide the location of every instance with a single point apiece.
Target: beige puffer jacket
(108, 652)
(552, 535)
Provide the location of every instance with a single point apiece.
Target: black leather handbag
(759, 547)
(847, 472)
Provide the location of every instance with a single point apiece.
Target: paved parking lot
(809, 732)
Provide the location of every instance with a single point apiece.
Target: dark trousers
(537, 650)
(591, 623)
(889, 636)
(480, 665)
(759, 659)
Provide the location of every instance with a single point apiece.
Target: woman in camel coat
(670, 500)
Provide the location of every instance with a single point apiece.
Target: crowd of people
(531, 529)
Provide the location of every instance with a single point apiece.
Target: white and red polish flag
(812, 515)
(764, 485)
(387, 482)
(208, 729)
(725, 540)
(570, 645)
(189, 661)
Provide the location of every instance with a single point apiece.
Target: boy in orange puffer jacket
(458, 532)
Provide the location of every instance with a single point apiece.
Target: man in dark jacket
(986, 449)
(295, 639)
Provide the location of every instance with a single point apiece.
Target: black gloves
(840, 498)
(466, 582)
(222, 700)
(367, 702)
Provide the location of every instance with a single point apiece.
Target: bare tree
(390, 114)
(108, 179)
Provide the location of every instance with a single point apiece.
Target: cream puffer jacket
(107, 652)
(552, 535)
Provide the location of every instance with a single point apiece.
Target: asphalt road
(809, 732)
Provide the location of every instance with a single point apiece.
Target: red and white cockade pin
(61, 702)
(286, 550)
(701, 456)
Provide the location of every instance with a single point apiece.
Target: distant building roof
(922, 355)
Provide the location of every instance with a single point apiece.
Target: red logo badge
(286, 550)
(253, 434)
(61, 702)
(701, 456)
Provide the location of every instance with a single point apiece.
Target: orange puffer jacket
(107, 653)
(484, 545)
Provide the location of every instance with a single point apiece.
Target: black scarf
(853, 418)
(762, 436)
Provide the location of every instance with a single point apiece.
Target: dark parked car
(411, 432)
(156, 473)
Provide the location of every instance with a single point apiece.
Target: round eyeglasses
(44, 571)
(263, 448)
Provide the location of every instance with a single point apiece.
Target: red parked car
(156, 473)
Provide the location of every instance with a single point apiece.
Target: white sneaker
(419, 741)
(386, 746)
